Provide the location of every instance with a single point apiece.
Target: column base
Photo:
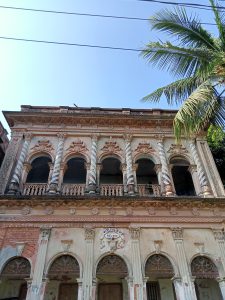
(206, 192)
(13, 189)
(130, 190)
(53, 187)
(92, 189)
(169, 191)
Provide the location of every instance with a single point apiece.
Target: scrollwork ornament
(112, 239)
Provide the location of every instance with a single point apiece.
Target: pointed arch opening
(206, 274)
(63, 277)
(14, 278)
(159, 271)
(111, 274)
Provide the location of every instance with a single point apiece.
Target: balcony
(149, 190)
(111, 189)
(73, 189)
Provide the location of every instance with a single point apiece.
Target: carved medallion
(77, 146)
(112, 239)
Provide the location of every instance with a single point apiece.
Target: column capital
(218, 234)
(28, 136)
(160, 138)
(135, 233)
(128, 137)
(192, 169)
(89, 233)
(177, 233)
(95, 137)
(45, 232)
(61, 135)
(158, 168)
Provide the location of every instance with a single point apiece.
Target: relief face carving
(112, 239)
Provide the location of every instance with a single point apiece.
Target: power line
(190, 5)
(85, 14)
(69, 44)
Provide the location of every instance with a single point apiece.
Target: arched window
(111, 172)
(182, 178)
(206, 274)
(14, 274)
(75, 171)
(63, 274)
(159, 271)
(111, 271)
(39, 171)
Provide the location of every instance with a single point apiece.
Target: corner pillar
(186, 286)
(130, 175)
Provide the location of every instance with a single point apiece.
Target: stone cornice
(83, 119)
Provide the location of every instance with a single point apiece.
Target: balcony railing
(111, 189)
(149, 190)
(34, 189)
(73, 189)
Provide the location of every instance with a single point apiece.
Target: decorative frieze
(112, 239)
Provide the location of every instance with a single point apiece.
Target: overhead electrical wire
(69, 44)
(85, 14)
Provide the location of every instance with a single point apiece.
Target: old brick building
(102, 204)
(4, 141)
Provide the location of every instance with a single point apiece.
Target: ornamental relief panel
(77, 146)
(177, 149)
(111, 147)
(112, 239)
(43, 146)
(145, 148)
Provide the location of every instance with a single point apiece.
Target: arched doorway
(182, 178)
(111, 273)
(13, 279)
(62, 275)
(159, 271)
(147, 180)
(205, 273)
(111, 177)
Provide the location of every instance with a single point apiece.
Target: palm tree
(197, 60)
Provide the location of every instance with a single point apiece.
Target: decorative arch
(58, 255)
(184, 156)
(169, 257)
(153, 157)
(205, 267)
(104, 156)
(36, 154)
(123, 258)
(159, 266)
(17, 267)
(71, 155)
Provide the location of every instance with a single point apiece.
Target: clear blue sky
(39, 74)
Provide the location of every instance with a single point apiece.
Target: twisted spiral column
(15, 181)
(130, 175)
(201, 173)
(56, 169)
(165, 171)
(92, 181)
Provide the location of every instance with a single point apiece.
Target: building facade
(103, 204)
(4, 141)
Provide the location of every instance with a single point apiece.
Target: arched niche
(111, 274)
(111, 172)
(182, 177)
(62, 276)
(39, 171)
(159, 271)
(75, 171)
(205, 272)
(13, 278)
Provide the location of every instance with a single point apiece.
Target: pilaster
(88, 264)
(136, 263)
(38, 282)
(220, 239)
(187, 287)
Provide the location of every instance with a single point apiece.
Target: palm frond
(177, 60)
(220, 21)
(188, 29)
(175, 92)
(202, 107)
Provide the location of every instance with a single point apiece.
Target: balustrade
(111, 189)
(73, 189)
(31, 189)
(149, 190)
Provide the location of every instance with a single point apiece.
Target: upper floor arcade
(77, 151)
